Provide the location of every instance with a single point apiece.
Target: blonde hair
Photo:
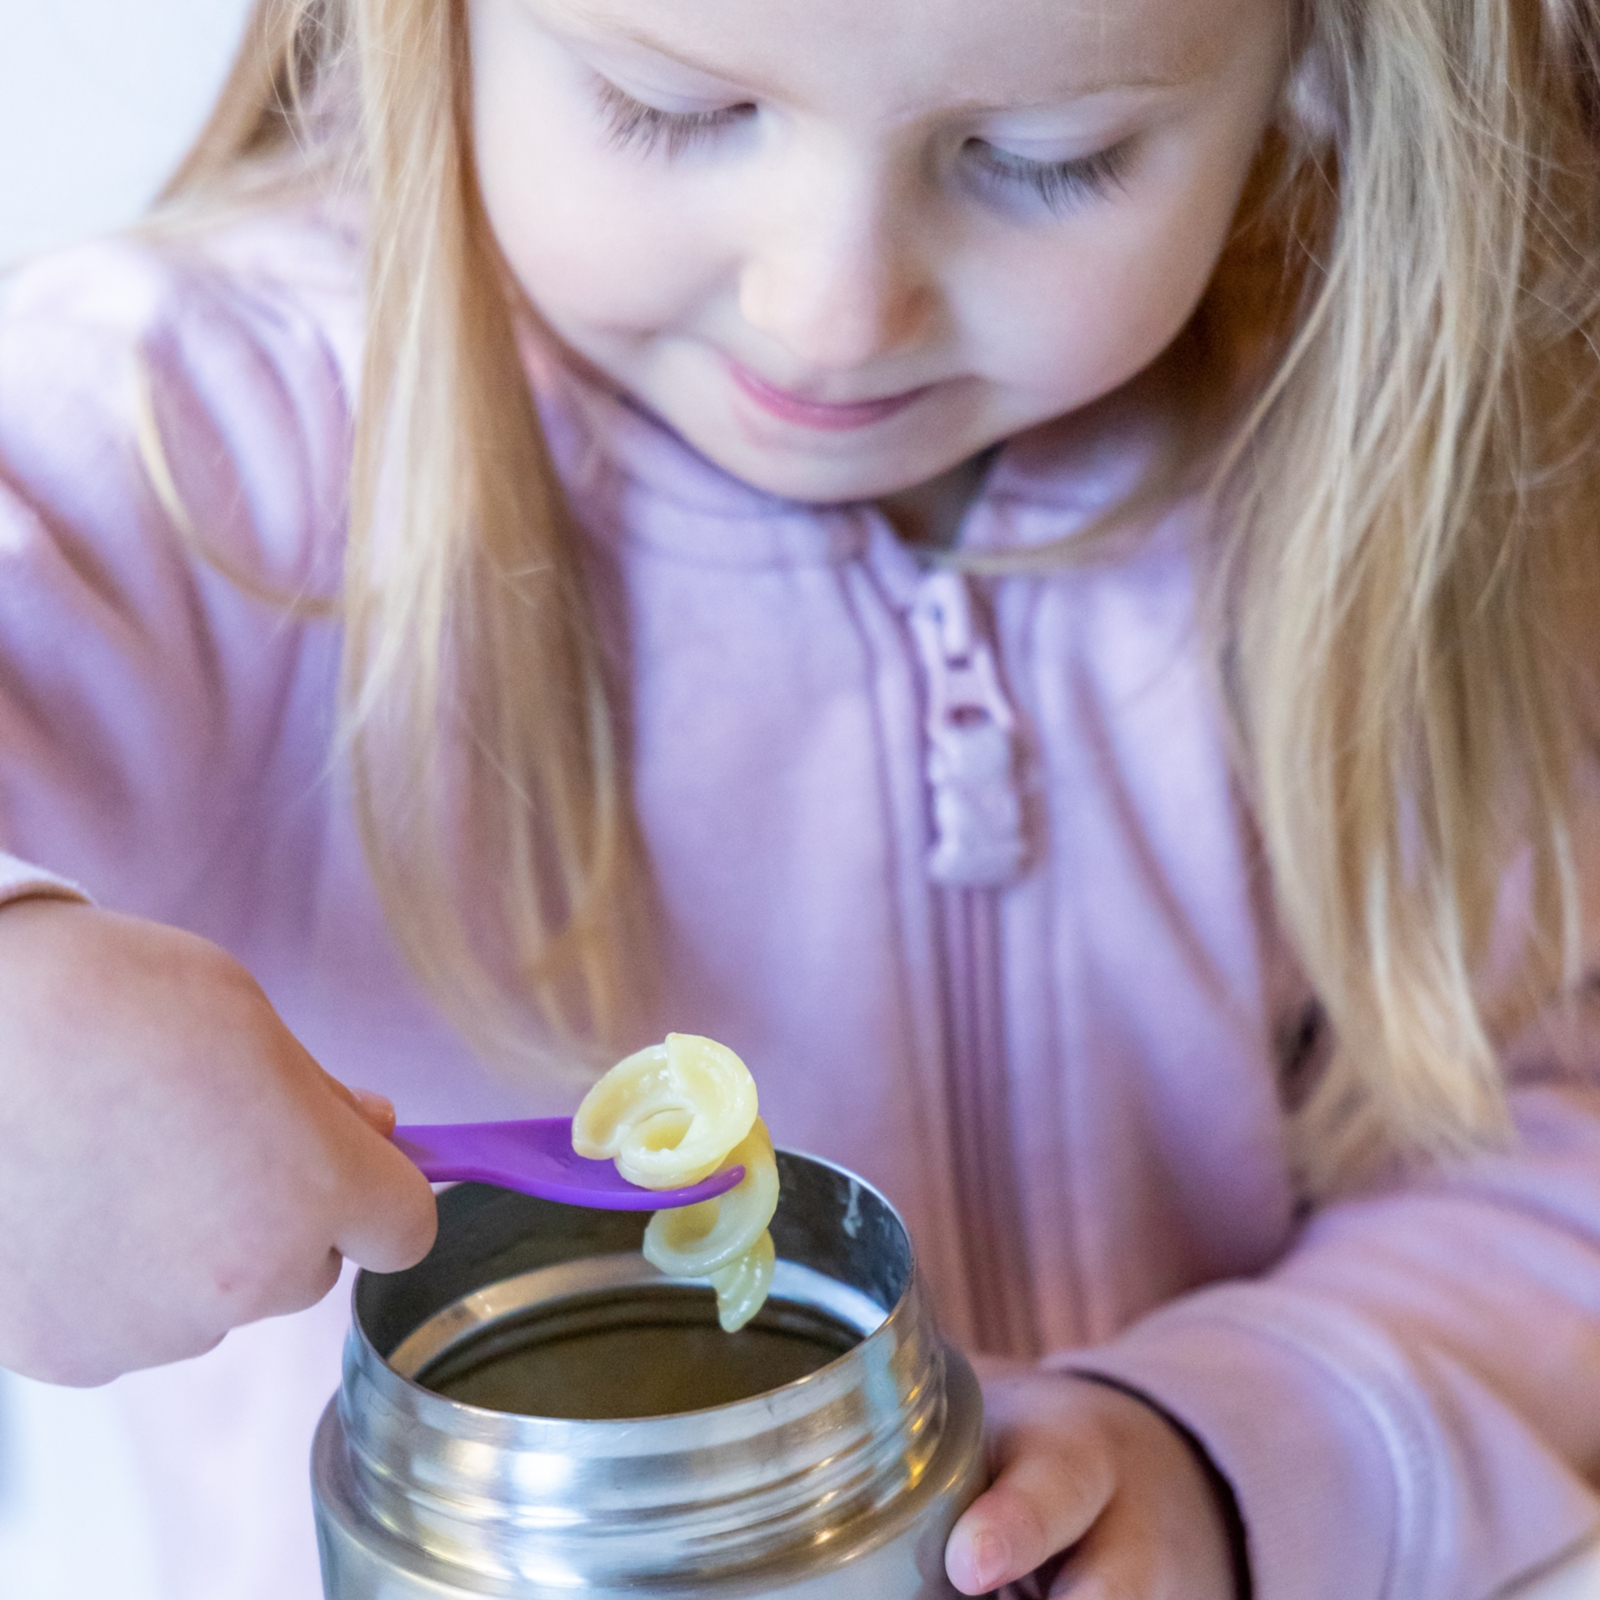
(467, 629)
(1411, 568)
(1405, 575)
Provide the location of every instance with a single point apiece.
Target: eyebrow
(1151, 80)
(660, 48)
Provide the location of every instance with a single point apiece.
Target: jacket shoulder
(224, 356)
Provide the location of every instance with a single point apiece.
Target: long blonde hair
(1407, 498)
(1412, 507)
(469, 631)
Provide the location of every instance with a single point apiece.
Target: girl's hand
(172, 1162)
(1092, 1491)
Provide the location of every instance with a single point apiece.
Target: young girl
(1027, 566)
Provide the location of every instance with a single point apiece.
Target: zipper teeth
(978, 846)
(999, 1273)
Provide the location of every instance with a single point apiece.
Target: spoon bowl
(536, 1157)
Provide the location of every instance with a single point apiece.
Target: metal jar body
(838, 1484)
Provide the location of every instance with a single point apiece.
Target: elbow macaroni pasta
(669, 1116)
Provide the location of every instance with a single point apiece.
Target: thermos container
(535, 1411)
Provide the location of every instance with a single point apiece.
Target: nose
(838, 276)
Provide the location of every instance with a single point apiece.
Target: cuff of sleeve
(1296, 1411)
(19, 880)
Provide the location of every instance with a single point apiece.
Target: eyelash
(1059, 185)
(636, 125)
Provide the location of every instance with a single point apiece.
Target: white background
(98, 99)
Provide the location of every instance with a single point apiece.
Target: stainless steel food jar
(534, 1410)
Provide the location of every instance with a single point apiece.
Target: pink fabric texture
(1066, 1071)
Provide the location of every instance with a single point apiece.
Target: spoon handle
(536, 1157)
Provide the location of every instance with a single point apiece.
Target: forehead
(927, 53)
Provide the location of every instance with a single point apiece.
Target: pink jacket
(1017, 975)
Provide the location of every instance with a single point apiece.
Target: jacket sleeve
(152, 663)
(1408, 1406)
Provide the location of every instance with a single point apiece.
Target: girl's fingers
(377, 1111)
(387, 1209)
(1113, 1562)
(1044, 1500)
(1097, 1497)
(390, 1217)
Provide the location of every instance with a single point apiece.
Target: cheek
(574, 221)
(576, 250)
(1086, 314)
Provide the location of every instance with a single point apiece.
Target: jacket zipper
(978, 847)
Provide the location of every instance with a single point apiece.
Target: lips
(825, 415)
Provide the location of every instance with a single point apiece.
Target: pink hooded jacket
(957, 866)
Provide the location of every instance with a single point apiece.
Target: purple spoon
(537, 1158)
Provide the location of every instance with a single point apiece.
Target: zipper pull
(977, 812)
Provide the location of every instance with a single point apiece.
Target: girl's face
(844, 245)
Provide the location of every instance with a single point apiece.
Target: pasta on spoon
(671, 1115)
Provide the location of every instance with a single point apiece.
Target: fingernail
(378, 1109)
(990, 1558)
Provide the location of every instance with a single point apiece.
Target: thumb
(387, 1215)
(1043, 1501)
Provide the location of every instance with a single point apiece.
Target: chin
(815, 480)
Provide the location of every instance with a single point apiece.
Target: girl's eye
(1060, 185)
(636, 126)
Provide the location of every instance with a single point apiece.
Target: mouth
(829, 416)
